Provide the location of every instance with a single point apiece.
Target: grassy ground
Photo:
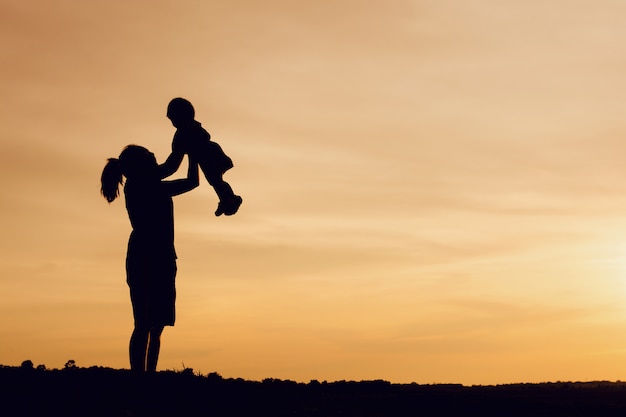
(95, 391)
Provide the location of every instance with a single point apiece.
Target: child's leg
(223, 190)
(221, 187)
(229, 202)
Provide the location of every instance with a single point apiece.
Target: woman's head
(134, 162)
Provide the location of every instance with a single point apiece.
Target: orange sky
(433, 190)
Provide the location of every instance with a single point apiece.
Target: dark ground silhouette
(97, 391)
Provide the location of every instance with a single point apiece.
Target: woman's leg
(137, 349)
(154, 346)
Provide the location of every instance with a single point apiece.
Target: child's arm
(171, 164)
(180, 186)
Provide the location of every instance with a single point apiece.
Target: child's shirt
(190, 139)
(196, 140)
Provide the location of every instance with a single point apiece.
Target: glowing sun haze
(433, 190)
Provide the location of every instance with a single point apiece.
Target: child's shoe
(229, 207)
(220, 209)
(233, 205)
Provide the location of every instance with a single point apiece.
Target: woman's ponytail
(111, 179)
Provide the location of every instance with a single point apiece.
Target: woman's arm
(171, 164)
(180, 186)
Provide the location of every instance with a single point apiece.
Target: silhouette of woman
(151, 257)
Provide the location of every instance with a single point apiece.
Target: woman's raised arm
(180, 186)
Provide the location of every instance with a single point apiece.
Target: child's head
(180, 111)
(134, 162)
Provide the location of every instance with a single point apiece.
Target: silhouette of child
(151, 257)
(192, 139)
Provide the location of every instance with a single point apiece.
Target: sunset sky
(434, 190)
